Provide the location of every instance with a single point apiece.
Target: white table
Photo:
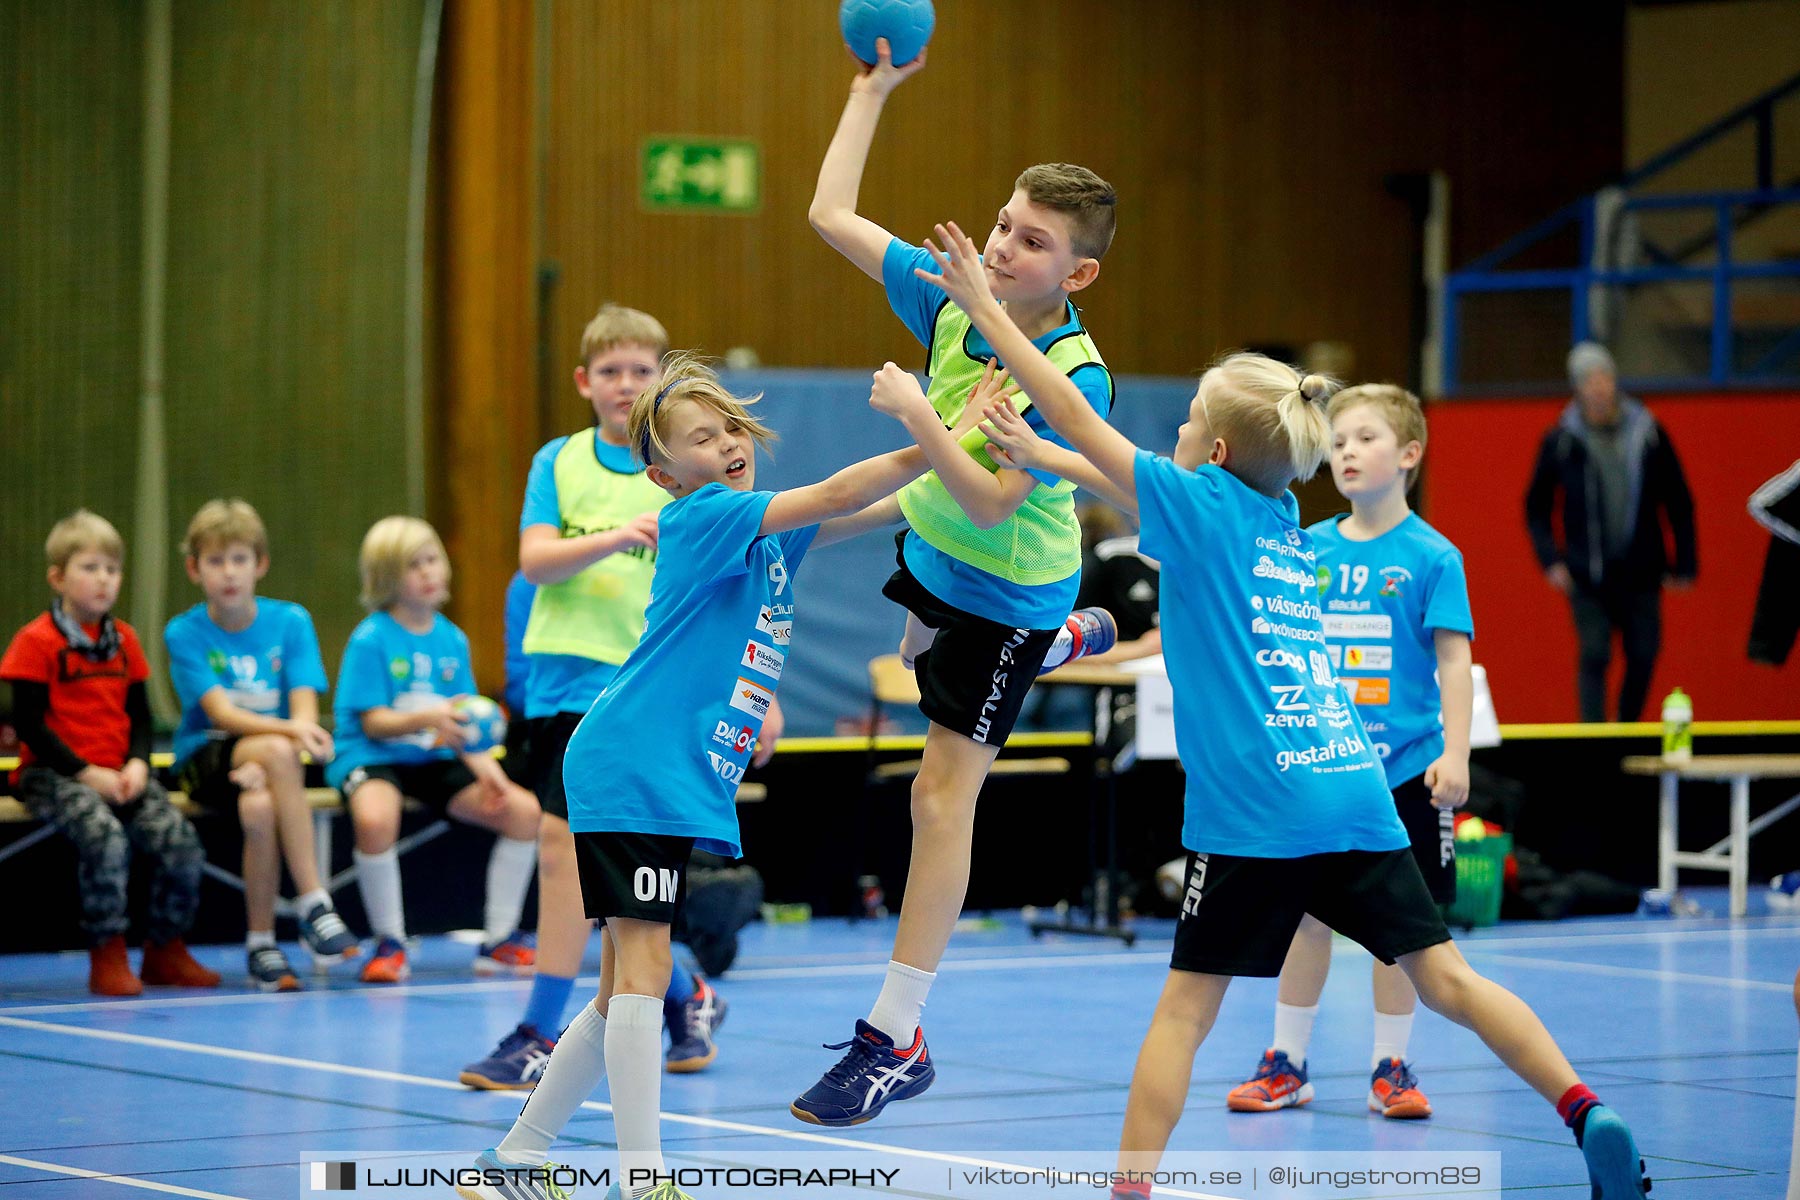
(1731, 853)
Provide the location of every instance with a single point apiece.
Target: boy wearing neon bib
(1396, 616)
(588, 543)
(1284, 818)
(699, 684)
(991, 563)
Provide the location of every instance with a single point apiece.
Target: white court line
(1025, 962)
(149, 1185)
(308, 1064)
(1581, 968)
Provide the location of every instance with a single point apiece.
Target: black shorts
(638, 875)
(521, 734)
(435, 783)
(549, 743)
(974, 678)
(206, 776)
(1239, 915)
(1433, 833)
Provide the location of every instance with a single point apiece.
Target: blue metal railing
(1730, 211)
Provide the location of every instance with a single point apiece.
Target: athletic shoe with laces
(866, 1080)
(1278, 1083)
(518, 1182)
(1092, 631)
(326, 938)
(691, 1028)
(514, 954)
(388, 964)
(1615, 1170)
(662, 1191)
(270, 970)
(516, 1064)
(1394, 1092)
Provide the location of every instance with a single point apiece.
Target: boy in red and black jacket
(79, 703)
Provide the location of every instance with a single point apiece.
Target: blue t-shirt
(1383, 599)
(1278, 764)
(664, 747)
(971, 589)
(520, 592)
(564, 682)
(387, 666)
(257, 666)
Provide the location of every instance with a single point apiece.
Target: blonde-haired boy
(83, 718)
(248, 673)
(1396, 613)
(398, 734)
(587, 545)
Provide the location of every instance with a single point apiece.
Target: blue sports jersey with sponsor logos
(1041, 606)
(257, 666)
(386, 665)
(1382, 600)
(664, 747)
(1278, 764)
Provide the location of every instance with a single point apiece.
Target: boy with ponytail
(1283, 817)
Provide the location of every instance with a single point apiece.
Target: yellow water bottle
(1678, 727)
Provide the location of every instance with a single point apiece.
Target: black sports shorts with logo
(974, 678)
(1239, 915)
(1433, 833)
(638, 875)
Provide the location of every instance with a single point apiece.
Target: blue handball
(906, 24)
(485, 721)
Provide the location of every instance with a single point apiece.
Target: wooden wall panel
(1250, 143)
(71, 94)
(285, 372)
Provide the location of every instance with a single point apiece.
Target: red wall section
(1479, 462)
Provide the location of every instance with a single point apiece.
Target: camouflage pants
(104, 836)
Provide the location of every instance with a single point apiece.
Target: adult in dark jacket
(1776, 506)
(1613, 473)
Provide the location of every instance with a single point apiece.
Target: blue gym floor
(1684, 1025)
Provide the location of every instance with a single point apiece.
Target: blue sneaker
(510, 1182)
(1614, 1168)
(866, 1080)
(691, 1029)
(1091, 631)
(516, 1064)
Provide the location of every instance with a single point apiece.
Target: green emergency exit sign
(701, 175)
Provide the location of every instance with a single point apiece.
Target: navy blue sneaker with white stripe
(873, 1074)
(516, 1064)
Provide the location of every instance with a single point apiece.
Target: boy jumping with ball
(991, 563)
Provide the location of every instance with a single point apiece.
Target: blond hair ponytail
(1271, 418)
(1302, 414)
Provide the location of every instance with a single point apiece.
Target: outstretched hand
(960, 270)
(1011, 440)
(882, 76)
(994, 386)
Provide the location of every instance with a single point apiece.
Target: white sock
(902, 999)
(378, 878)
(1391, 1035)
(1060, 649)
(634, 1067)
(258, 938)
(1293, 1030)
(304, 904)
(575, 1069)
(510, 868)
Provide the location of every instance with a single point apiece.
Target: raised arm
(833, 212)
(1013, 443)
(964, 280)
